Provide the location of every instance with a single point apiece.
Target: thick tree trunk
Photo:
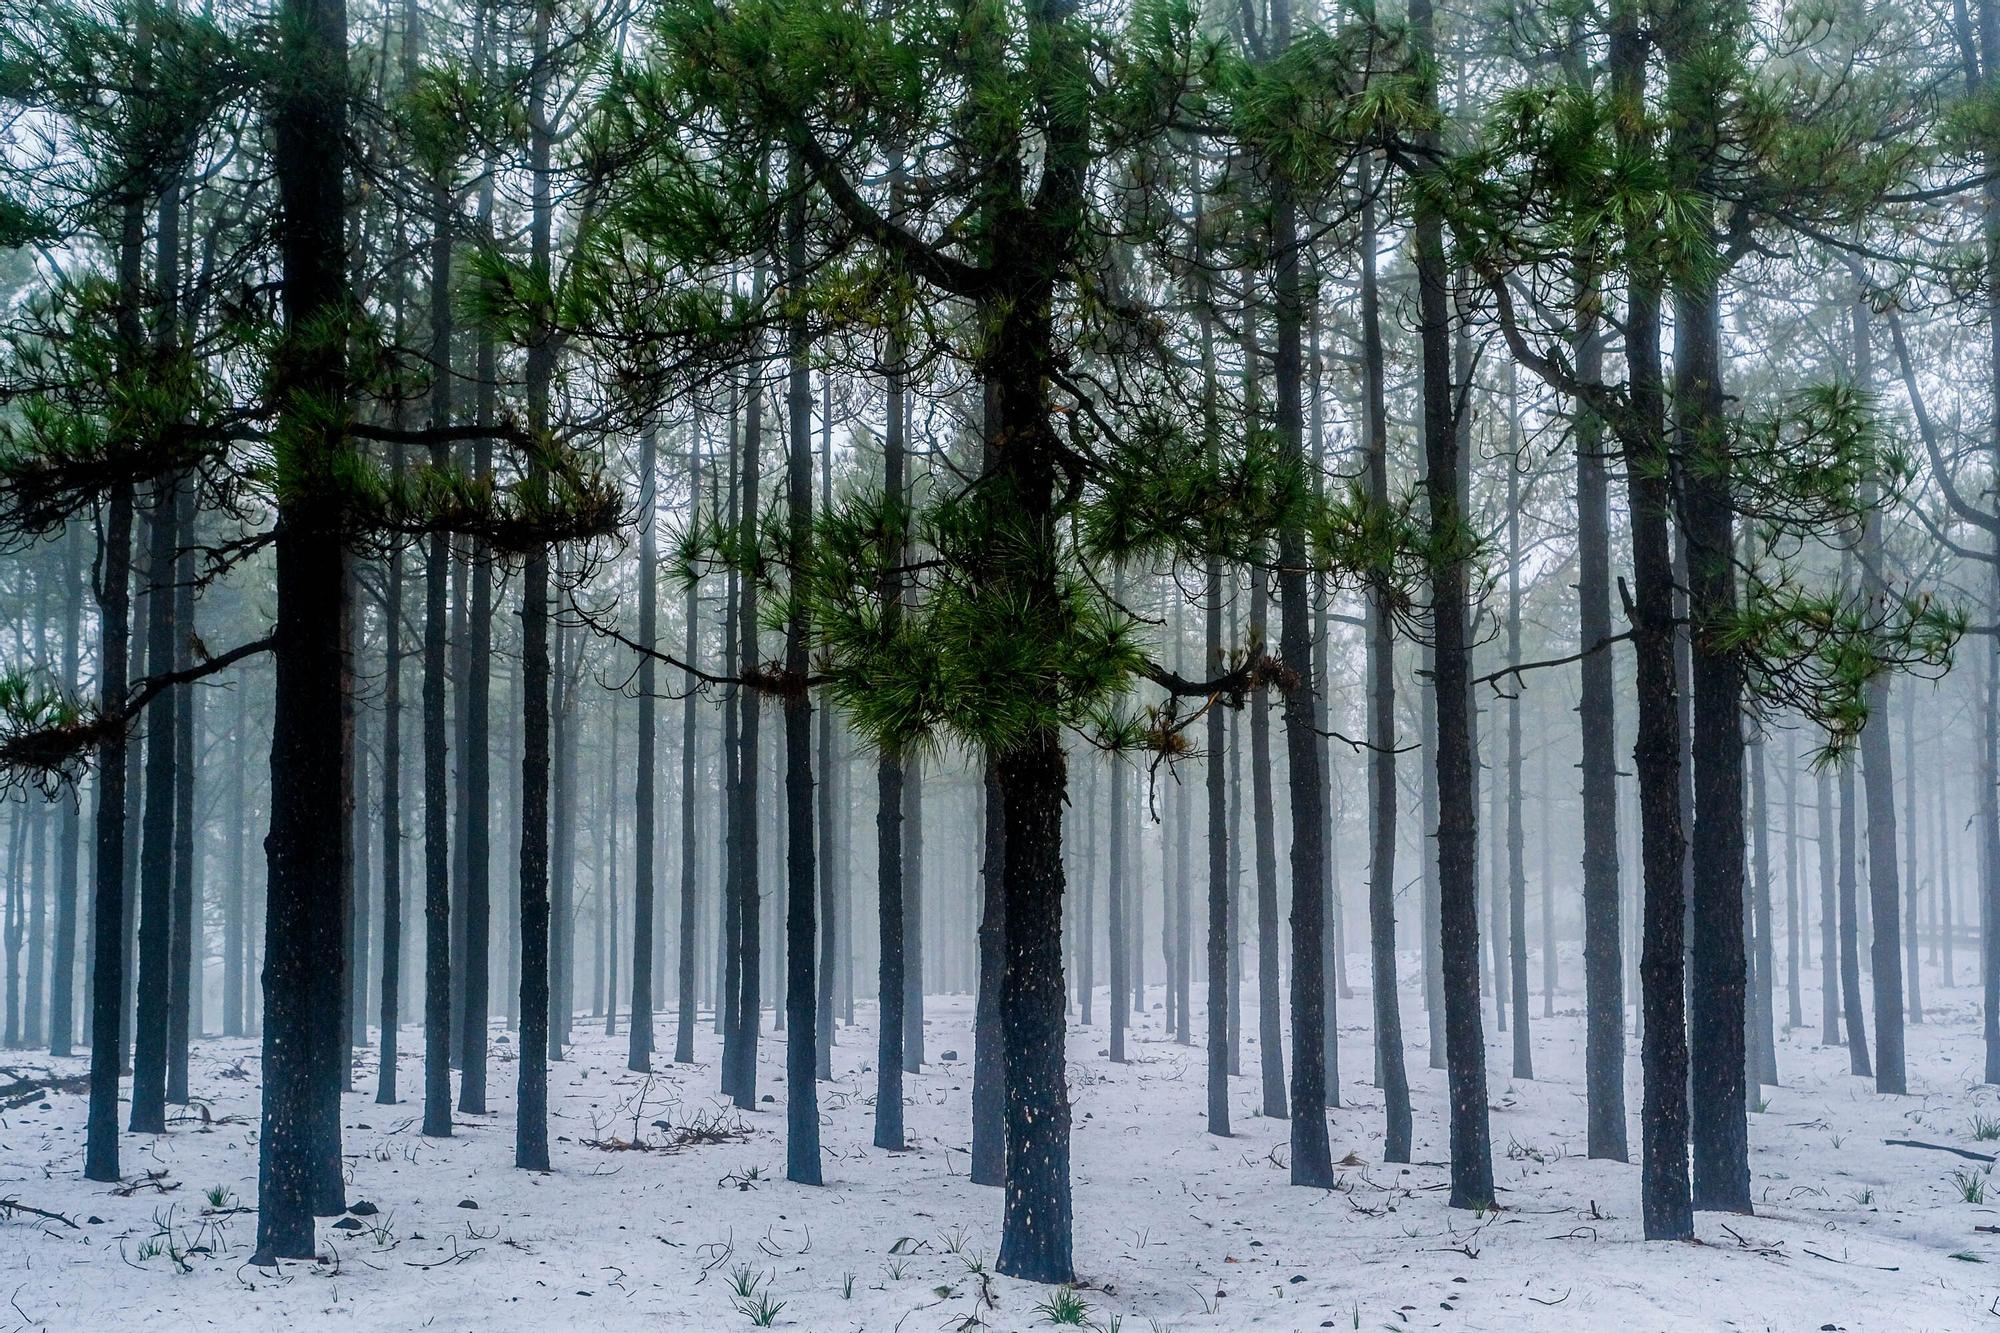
(299, 1142)
(1457, 790)
(531, 1115)
(989, 1068)
(801, 872)
(107, 988)
(1665, 1203)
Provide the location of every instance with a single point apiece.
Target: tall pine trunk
(299, 1144)
(1457, 788)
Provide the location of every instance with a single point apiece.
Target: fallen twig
(1966, 1153)
(10, 1206)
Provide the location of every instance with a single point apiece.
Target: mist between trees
(699, 521)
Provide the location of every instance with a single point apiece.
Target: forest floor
(1174, 1229)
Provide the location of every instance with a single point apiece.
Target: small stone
(769, 1098)
(468, 1203)
(94, 1220)
(1297, 1278)
(363, 1209)
(948, 1055)
(347, 1224)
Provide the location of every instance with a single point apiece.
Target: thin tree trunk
(1517, 873)
(69, 835)
(690, 870)
(156, 857)
(639, 1038)
(1383, 790)
(1311, 1158)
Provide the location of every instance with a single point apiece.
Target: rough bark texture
(299, 1142)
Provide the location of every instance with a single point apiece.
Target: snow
(1175, 1230)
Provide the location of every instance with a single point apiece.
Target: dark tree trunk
(801, 872)
(832, 935)
(564, 723)
(889, 793)
(531, 1116)
(299, 1145)
(1665, 1206)
(729, 960)
(1717, 982)
(690, 904)
(1312, 1161)
(438, 931)
(913, 914)
(156, 832)
(107, 987)
(739, 1051)
(1458, 832)
(1270, 1017)
(1383, 792)
(1604, 999)
(639, 1039)
(1220, 887)
(390, 1019)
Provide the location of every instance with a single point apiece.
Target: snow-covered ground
(1174, 1229)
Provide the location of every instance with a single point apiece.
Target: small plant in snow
(847, 1286)
(1985, 1128)
(1863, 1196)
(744, 1281)
(761, 1312)
(1971, 1185)
(1064, 1308)
(220, 1196)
